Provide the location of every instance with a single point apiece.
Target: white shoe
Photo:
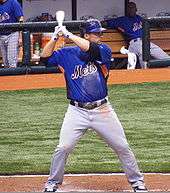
(140, 189)
(50, 187)
(139, 186)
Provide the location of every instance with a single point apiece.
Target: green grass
(30, 123)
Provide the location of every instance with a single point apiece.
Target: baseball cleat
(50, 187)
(141, 188)
(50, 190)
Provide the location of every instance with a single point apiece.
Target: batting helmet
(91, 26)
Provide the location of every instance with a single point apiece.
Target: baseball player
(131, 27)
(86, 70)
(10, 12)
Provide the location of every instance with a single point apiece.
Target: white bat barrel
(60, 15)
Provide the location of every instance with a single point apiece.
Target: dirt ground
(83, 183)
(24, 82)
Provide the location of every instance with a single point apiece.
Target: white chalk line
(87, 190)
(89, 174)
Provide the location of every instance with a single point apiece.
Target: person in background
(10, 12)
(131, 27)
(86, 70)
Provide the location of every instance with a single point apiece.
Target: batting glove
(56, 33)
(65, 32)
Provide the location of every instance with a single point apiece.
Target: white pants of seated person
(105, 122)
(9, 49)
(155, 51)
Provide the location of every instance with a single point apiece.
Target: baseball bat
(60, 17)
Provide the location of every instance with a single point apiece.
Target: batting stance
(86, 70)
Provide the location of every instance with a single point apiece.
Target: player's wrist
(68, 35)
(54, 37)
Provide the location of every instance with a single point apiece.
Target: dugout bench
(116, 40)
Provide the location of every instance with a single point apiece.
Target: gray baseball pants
(9, 49)
(135, 46)
(105, 122)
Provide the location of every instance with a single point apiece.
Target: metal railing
(31, 27)
(148, 23)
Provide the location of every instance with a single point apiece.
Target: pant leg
(136, 48)
(157, 52)
(3, 47)
(73, 127)
(108, 126)
(13, 48)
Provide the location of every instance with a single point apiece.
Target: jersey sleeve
(100, 54)
(59, 58)
(105, 54)
(54, 59)
(94, 51)
(17, 9)
(111, 23)
(115, 23)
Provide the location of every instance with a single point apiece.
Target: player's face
(94, 37)
(131, 9)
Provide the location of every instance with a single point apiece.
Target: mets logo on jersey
(4, 16)
(79, 71)
(137, 26)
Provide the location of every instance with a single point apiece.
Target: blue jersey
(10, 11)
(86, 78)
(131, 27)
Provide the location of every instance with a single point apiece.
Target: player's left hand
(65, 32)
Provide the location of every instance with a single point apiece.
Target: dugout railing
(27, 28)
(33, 27)
(162, 23)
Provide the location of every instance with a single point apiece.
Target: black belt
(89, 105)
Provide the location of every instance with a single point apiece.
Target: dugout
(28, 64)
(156, 23)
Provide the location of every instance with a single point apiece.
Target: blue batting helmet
(91, 26)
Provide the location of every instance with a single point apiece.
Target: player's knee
(122, 148)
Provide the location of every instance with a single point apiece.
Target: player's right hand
(57, 32)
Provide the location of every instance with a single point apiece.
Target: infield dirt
(84, 183)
